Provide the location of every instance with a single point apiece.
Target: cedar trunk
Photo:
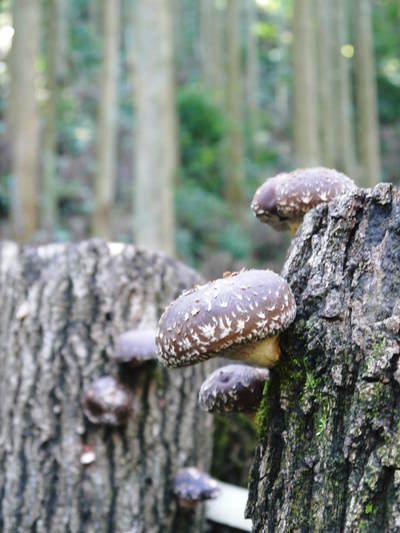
(62, 308)
(329, 454)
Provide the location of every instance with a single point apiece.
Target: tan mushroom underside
(294, 226)
(265, 352)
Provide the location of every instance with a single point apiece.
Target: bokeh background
(154, 121)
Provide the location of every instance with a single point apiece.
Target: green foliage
(202, 128)
(205, 221)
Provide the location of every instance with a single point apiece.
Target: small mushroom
(283, 201)
(238, 317)
(233, 388)
(107, 402)
(192, 486)
(135, 347)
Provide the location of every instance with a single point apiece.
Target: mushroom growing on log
(239, 316)
(329, 451)
(62, 309)
(135, 347)
(233, 389)
(192, 486)
(283, 201)
(107, 402)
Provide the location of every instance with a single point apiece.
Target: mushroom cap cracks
(288, 197)
(192, 485)
(233, 388)
(223, 314)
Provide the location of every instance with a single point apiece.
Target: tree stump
(329, 453)
(62, 308)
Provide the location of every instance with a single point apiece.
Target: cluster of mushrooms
(239, 317)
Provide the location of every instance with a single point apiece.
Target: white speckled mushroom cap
(193, 485)
(233, 388)
(204, 322)
(286, 198)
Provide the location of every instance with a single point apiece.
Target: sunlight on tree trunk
(25, 128)
(306, 142)
(108, 121)
(156, 134)
(235, 163)
(344, 130)
(367, 114)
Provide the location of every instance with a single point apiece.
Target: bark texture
(329, 456)
(62, 308)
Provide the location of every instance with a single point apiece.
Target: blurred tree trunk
(187, 38)
(49, 153)
(156, 162)
(367, 114)
(306, 135)
(207, 17)
(252, 79)
(211, 48)
(326, 82)
(235, 153)
(107, 121)
(25, 127)
(329, 452)
(345, 140)
(62, 22)
(63, 308)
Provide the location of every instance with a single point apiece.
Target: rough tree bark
(329, 456)
(62, 308)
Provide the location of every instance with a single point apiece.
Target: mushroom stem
(265, 352)
(251, 417)
(187, 504)
(294, 226)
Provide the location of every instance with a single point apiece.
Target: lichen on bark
(329, 453)
(63, 306)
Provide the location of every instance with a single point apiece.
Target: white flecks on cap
(185, 338)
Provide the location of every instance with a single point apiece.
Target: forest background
(154, 122)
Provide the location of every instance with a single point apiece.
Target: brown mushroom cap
(135, 347)
(286, 198)
(191, 486)
(223, 316)
(107, 402)
(233, 388)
